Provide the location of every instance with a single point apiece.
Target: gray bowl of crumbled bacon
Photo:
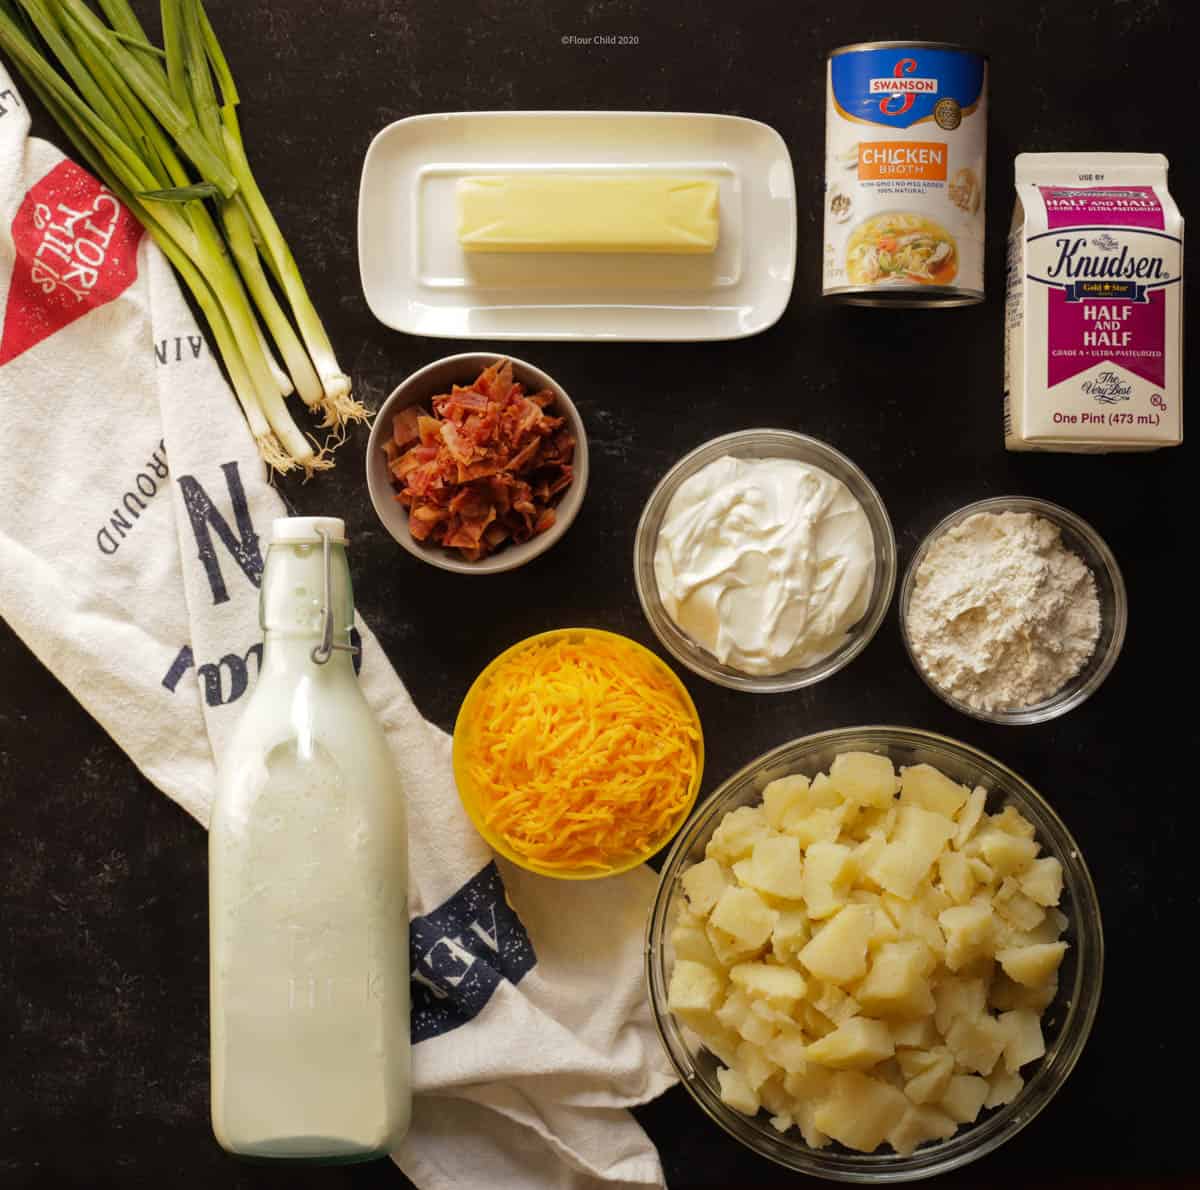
(477, 463)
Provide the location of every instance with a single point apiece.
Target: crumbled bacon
(487, 468)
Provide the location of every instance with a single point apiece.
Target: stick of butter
(587, 213)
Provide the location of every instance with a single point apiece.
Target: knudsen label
(905, 152)
(1094, 316)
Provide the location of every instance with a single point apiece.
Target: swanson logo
(899, 90)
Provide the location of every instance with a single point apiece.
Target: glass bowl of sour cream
(765, 560)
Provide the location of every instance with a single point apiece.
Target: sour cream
(766, 563)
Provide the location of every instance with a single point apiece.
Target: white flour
(1002, 614)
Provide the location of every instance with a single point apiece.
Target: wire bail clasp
(321, 653)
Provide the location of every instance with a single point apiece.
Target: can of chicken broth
(905, 154)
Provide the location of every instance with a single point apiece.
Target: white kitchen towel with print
(133, 506)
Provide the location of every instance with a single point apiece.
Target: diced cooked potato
(1013, 822)
(737, 1014)
(1023, 1038)
(780, 986)
(691, 942)
(838, 950)
(814, 1022)
(769, 1013)
(806, 1121)
(830, 1001)
(928, 1078)
(757, 1029)
(913, 922)
(791, 932)
(863, 922)
(917, 840)
(897, 985)
(809, 1084)
(913, 1062)
(1003, 852)
(964, 1098)
(981, 871)
(1049, 929)
(889, 1070)
(919, 1034)
(1032, 966)
(977, 1042)
(788, 1051)
(774, 1098)
(969, 817)
(1016, 908)
(870, 820)
(716, 1038)
(919, 1125)
(1003, 1087)
(743, 871)
(823, 792)
(823, 824)
(857, 1044)
(782, 797)
(727, 949)
(956, 997)
(864, 778)
(860, 1111)
(828, 875)
(1006, 994)
(809, 1088)
(1042, 881)
(753, 1064)
(734, 1009)
(745, 917)
(969, 931)
(703, 884)
(923, 785)
(693, 987)
(884, 930)
(775, 867)
(864, 857)
(932, 899)
(737, 833)
(737, 1092)
(958, 880)
(982, 968)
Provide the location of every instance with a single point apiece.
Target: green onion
(148, 120)
(340, 406)
(187, 193)
(136, 43)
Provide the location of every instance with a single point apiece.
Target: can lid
(859, 47)
(308, 529)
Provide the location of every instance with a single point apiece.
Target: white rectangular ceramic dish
(417, 278)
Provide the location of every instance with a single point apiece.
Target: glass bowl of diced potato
(875, 954)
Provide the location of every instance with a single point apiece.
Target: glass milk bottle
(308, 876)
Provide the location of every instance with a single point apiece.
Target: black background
(103, 966)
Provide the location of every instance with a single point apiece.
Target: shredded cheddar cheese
(581, 750)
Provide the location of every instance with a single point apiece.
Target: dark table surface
(103, 964)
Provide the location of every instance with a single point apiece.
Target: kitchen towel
(133, 513)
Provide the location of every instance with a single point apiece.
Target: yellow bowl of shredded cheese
(578, 753)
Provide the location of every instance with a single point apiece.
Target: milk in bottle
(307, 886)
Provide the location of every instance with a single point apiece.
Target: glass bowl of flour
(1013, 610)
